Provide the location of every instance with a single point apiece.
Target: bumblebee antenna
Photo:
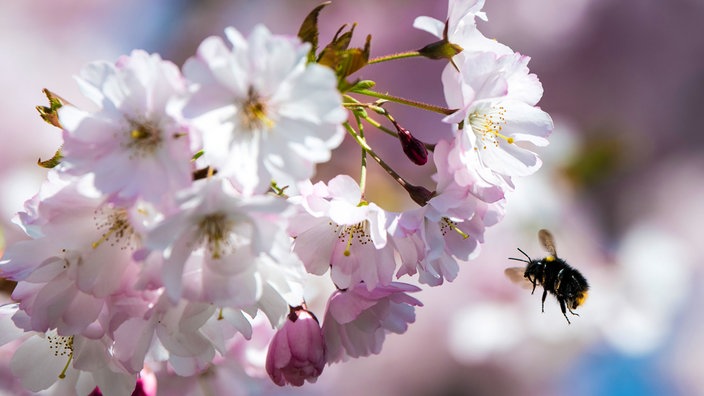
(518, 259)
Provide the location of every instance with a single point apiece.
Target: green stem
(400, 55)
(363, 143)
(380, 127)
(396, 99)
(355, 104)
(363, 172)
(389, 132)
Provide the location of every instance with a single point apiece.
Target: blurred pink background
(622, 187)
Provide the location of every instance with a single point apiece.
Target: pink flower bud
(297, 351)
(413, 148)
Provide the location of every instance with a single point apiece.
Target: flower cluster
(182, 210)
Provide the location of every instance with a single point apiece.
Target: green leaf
(344, 60)
(308, 32)
(354, 59)
(332, 53)
(51, 162)
(50, 114)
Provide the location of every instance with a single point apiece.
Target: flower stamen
(215, 229)
(488, 127)
(61, 346)
(118, 226)
(358, 232)
(254, 112)
(446, 224)
(144, 138)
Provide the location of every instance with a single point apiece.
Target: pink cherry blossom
(81, 254)
(341, 232)
(358, 319)
(459, 186)
(450, 228)
(70, 364)
(441, 239)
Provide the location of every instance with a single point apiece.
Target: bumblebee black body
(559, 279)
(555, 276)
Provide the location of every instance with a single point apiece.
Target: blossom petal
(430, 25)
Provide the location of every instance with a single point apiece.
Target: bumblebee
(552, 273)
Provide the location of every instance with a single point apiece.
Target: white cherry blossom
(228, 249)
(495, 97)
(264, 112)
(137, 144)
(461, 27)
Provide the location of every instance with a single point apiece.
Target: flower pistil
(359, 231)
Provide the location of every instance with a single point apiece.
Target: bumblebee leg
(564, 310)
(532, 280)
(572, 312)
(545, 294)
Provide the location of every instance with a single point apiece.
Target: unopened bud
(440, 50)
(415, 149)
(297, 351)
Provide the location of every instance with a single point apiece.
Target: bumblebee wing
(547, 241)
(515, 275)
